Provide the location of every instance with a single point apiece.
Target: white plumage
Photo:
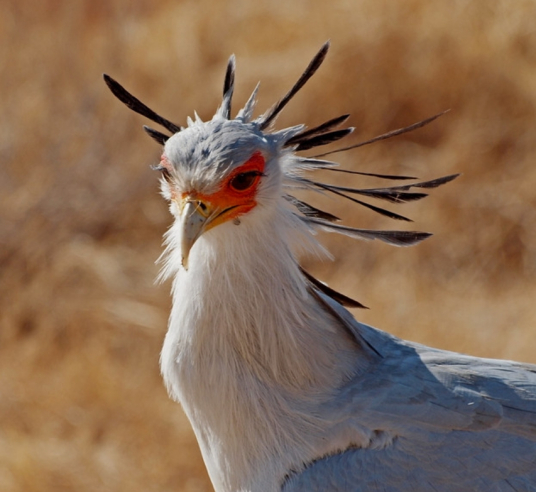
(285, 390)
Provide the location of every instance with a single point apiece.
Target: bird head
(218, 173)
(222, 172)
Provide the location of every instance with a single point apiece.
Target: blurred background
(82, 404)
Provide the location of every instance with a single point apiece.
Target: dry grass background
(82, 405)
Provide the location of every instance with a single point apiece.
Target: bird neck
(249, 352)
(244, 297)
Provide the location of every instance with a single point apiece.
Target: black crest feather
(396, 238)
(387, 135)
(306, 75)
(136, 105)
(373, 175)
(318, 130)
(228, 87)
(323, 139)
(378, 210)
(337, 296)
(161, 138)
(310, 211)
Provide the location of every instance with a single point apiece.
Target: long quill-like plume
(265, 120)
(136, 105)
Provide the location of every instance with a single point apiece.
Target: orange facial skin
(235, 197)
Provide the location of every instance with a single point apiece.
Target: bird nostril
(201, 207)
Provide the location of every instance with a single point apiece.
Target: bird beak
(194, 217)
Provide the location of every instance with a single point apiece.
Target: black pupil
(243, 181)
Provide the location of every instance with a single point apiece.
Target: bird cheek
(231, 214)
(242, 209)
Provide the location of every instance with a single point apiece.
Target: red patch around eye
(255, 162)
(240, 199)
(243, 180)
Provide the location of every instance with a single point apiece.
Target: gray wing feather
(457, 423)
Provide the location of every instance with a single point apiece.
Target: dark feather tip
(336, 191)
(137, 106)
(335, 295)
(306, 75)
(159, 137)
(310, 211)
(323, 139)
(434, 183)
(228, 86)
(396, 238)
(387, 135)
(373, 175)
(323, 128)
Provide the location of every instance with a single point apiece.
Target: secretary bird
(285, 390)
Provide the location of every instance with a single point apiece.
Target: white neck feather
(250, 354)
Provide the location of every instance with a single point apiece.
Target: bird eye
(244, 181)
